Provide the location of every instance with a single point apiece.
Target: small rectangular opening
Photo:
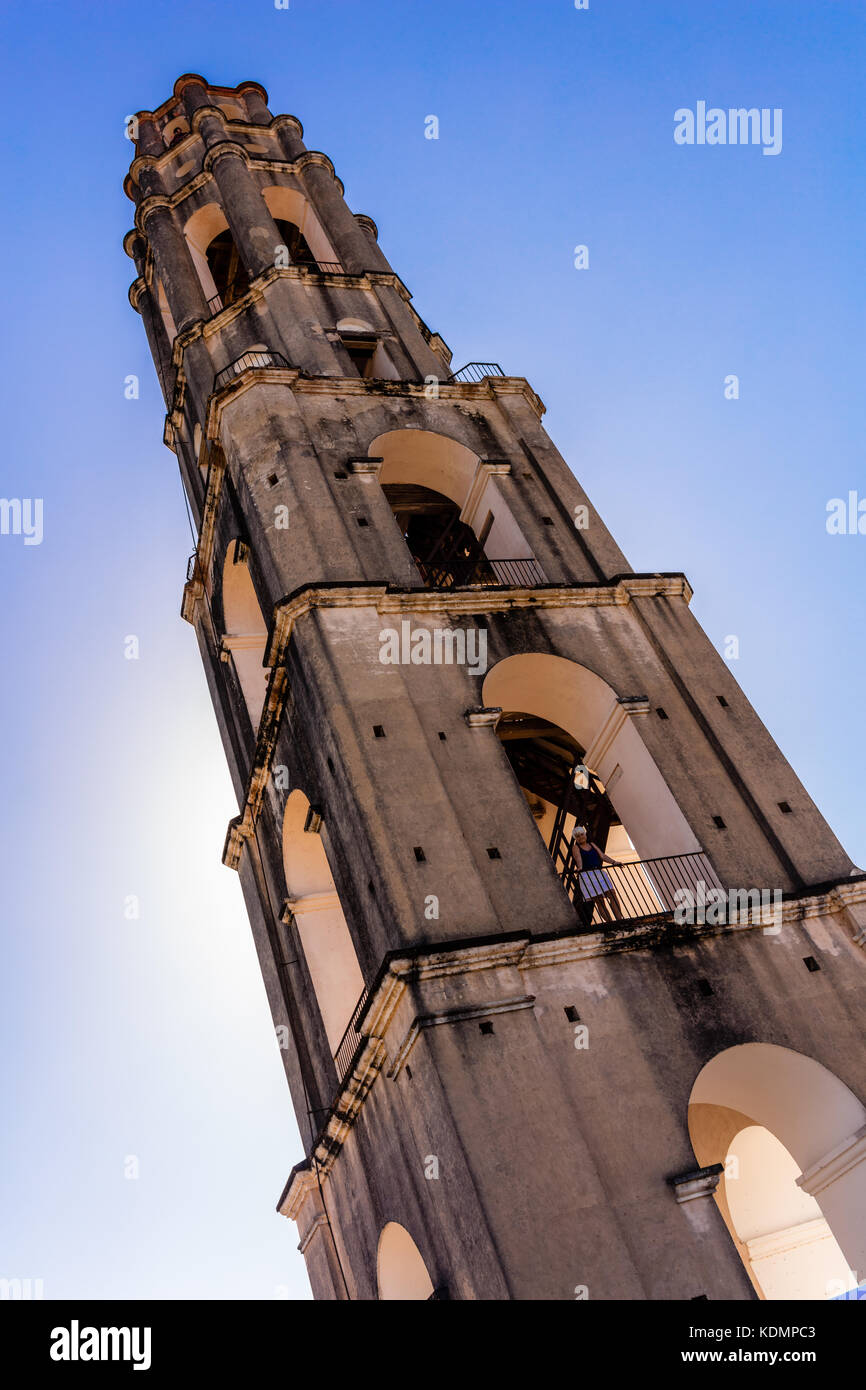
(719, 823)
(419, 854)
(785, 808)
(361, 349)
(705, 988)
(662, 714)
(571, 1014)
(811, 964)
(722, 701)
(486, 1028)
(493, 853)
(378, 731)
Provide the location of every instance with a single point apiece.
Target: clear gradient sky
(151, 1038)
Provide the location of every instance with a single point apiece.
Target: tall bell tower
(525, 1065)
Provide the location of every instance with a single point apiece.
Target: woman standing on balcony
(596, 888)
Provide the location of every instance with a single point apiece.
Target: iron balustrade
(476, 371)
(481, 573)
(215, 305)
(248, 359)
(642, 890)
(327, 267)
(350, 1041)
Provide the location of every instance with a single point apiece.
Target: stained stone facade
(501, 1095)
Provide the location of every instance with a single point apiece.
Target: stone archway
(792, 1137)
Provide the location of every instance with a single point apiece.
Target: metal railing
(215, 305)
(643, 890)
(326, 267)
(248, 359)
(476, 371)
(191, 566)
(481, 573)
(350, 1041)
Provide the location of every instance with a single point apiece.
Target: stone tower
(518, 1073)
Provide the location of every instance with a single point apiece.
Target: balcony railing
(248, 359)
(215, 305)
(645, 890)
(476, 371)
(481, 573)
(350, 1041)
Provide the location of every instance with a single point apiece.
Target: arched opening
(443, 547)
(325, 937)
(580, 761)
(792, 1138)
(475, 540)
(364, 350)
(245, 632)
(299, 225)
(227, 269)
(175, 130)
(215, 256)
(400, 1269)
(295, 243)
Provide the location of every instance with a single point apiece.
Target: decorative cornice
(223, 147)
(483, 716)
(285, 119)
(700, 1182)
(318, 1221)
(202, 112)
(367, 224)
(149, 205)
(315, 157)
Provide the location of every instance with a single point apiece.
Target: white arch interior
(795, 1197)
(325, 937)
(245, 634)
(400, 1268)
(785, 1240)
(288, 205)
(579, 701)
(435, 461)
(200, 230)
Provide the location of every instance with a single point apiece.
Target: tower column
(174, 265)
(356, 248)
(256, 102)
(255, 232)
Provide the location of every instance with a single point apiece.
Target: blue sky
(150, 1037)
